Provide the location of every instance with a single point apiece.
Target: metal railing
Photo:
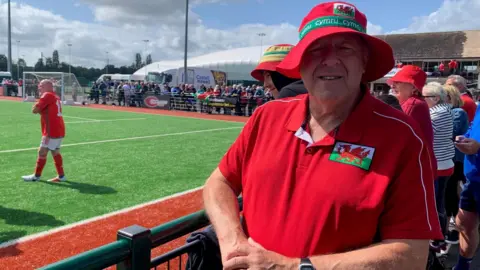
(132, 250)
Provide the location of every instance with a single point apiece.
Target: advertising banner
(157, 101)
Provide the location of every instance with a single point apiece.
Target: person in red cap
(266, 72)
(332, 179)
(407, 85)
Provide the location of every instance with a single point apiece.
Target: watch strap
(306, 264)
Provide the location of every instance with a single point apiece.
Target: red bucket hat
(332, 18)
(270, 59)
(410, 74)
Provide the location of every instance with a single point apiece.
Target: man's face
(333, 67)
(458, 86)
(268, 84)
(44, 86)
(402, 91)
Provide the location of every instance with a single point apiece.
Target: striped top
(442, 123)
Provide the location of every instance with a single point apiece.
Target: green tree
(138, 60)
(55, 59)
(39, 66)
(22, 62)
(49, 64)
(149, 59)
(3, 62)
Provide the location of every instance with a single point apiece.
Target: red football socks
(59, 164)
(41, 161)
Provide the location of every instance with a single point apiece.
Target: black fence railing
(132, 250)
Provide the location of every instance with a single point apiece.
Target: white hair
(458, 81)
(436, 89)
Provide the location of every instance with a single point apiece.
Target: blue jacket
(460, 127)
(471, 165)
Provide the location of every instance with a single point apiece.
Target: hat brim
(380, 62)
(257, 73)
(399, 79)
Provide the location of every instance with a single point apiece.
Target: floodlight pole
(106, 67)
(69, 58)
(185, 67)
(261, 35)
(145, 56)
(9, 60)
(18, 62)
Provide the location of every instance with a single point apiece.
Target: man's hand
(251, 255)
(35, 109)
(468, 146)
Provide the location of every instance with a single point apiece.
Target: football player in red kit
(53, 131)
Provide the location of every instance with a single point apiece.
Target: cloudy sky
(118, 27)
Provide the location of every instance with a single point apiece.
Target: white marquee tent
(238, 63)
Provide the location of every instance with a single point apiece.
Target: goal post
(65, 85)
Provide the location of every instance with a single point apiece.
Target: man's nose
(330, 56)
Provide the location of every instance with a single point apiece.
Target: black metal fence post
(140, 246)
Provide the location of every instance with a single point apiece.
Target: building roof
(438, 45)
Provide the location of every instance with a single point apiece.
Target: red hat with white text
(333, 18)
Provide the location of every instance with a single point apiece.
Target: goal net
(65, 85)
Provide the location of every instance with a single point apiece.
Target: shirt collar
(351, 130)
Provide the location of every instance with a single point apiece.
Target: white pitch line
(165, 115)
(81, 118)
(107, 120)
(125, 139)
(156, 114)
(90, 220)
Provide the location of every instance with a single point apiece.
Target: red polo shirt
(417, 108)
(303, 198)
(469, 106)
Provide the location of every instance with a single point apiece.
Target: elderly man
(53, 131)
(469, 105)
(332, 179)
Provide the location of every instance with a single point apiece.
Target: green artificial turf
(105, 176)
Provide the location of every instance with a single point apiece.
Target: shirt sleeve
(44, 101)
(477, 114)
(233, 162)
(409, 211)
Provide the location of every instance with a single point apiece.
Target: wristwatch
(306, 264)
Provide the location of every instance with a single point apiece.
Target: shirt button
(309, 150)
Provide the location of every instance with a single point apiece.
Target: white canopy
(238, 63)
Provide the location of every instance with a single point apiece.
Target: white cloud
(121, 25)
(43, 31)
(374, 29)
(453, 15)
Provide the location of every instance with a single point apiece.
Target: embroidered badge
(344, 10)
(352, 154)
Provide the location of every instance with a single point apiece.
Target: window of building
(430, 66)
(468, 66)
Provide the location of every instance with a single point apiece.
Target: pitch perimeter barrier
(132, 250)
(183, 102)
